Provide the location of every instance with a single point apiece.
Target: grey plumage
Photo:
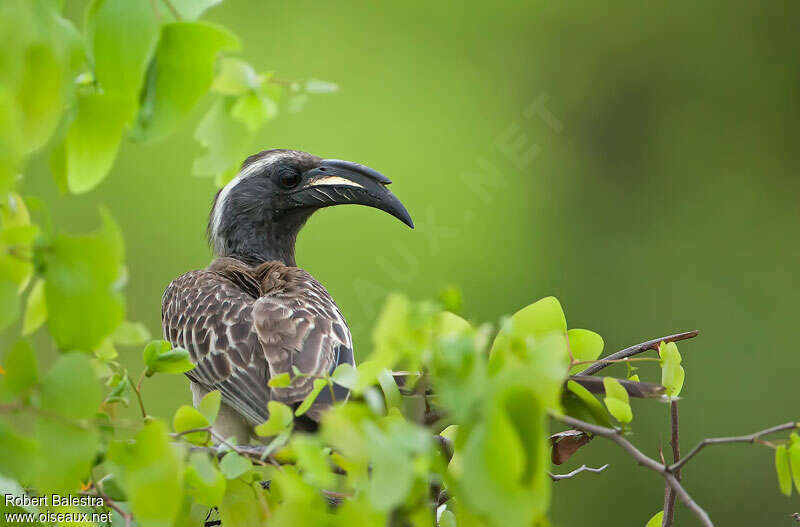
(252, 314)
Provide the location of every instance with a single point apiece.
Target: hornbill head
(256, 217)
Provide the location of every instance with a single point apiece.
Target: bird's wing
(238, 340)
(301, 330)
(211, 317)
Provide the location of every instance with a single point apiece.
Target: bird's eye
(289, 179)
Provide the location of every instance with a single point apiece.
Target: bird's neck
(264, 241)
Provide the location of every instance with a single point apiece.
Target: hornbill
(252, 313)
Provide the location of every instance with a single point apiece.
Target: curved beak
(337, 182)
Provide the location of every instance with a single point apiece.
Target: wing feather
(243, 325)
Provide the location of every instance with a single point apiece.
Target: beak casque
(337, 182)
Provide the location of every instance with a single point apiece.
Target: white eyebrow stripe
(251, 169)
(333, 180)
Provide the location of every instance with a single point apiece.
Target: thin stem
(137, 388)
(172, 9)
(750, 438)
(669, 495)
(639, 348)
(582, 468)
(641, 459)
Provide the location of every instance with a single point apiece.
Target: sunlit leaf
(233, 465)
(319, 384)
(188, 418)
(181, 74)
(656, 520)
(22, 370)
(282, 380)
(240, 507)
(82, 294)
(794, 459)
(204, 482)
(783, 470)
(235, 77)
(130, 334)
(209, 405)
(35, 309)
(617, 400)
(93, 138)
(158, 357)
(192, 9)
(121, 36)
(70, 396)
(672, 373)
(227, 141)
(280, 420)
(585, 345)
(151, 474)
(253, 110)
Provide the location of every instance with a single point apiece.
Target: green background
(657, 193)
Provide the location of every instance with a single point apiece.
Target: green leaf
(82, 294)
(69, 398)
(584, 345)
(253, 110)
(783, 470)
(204, 482)
(392, 474)
(531, 322)
(209, 405)
(390, 390)
(35, 309)
(345, 375)
(10, 303)
(313, 462)
(181, 74)
(93, 138)
(233, 465)
(281, 419)
(617, 400)
(794, 458)
(656, 520)
(227, 141)
(540, 318)
(672, 374)
(282, 380)
(22, 372)
(151, 474)
(192, 9)
(18, 454)
(109, 485)
(130, 334)
(121, 37)
(158, 357)
(240, 507)
(41, 93)
(188, 418)
(596, 409)
(319, 384)
(235, 77)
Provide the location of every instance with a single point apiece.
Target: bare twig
(636, 349)
(582, 468)
(669, 495)
(641, 459)
(750, 438)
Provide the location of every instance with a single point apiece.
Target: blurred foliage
(138, 74)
